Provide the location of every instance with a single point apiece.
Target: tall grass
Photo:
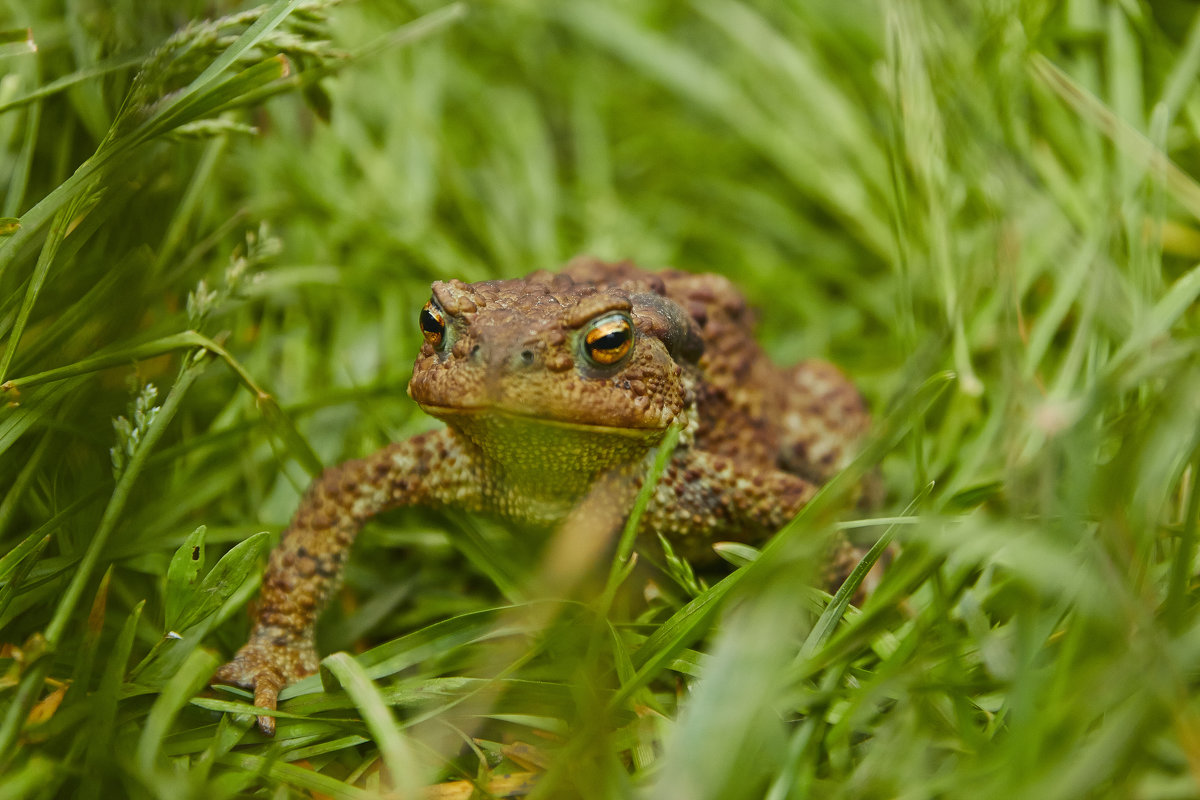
(216, 237)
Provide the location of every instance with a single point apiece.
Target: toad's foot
(266, 668)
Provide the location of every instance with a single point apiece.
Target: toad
(556, 389)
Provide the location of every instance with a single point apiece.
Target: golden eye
(433, 324)
(608, 339)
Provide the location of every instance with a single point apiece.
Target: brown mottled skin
(534, 425)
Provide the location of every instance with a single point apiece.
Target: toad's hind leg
(703, 498)
(822, 422)
(822, 426)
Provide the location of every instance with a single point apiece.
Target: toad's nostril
(527, 357)
(475, 352)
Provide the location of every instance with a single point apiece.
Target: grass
(984, 212)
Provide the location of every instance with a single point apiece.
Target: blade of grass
(1178, 300)
(409, 33)
(296, 776)
(116, 147)
(67, 81)
(69, 191)
(21, 170)
(177, 228)
(378, 717)
(220, 97)
(279, 420)
(620, 566)
(8, 506)
(81, 674)
(1132, 142)
(15, 557)
(179, 341)
(17, 35)
(833, 613)
(176, 108)
(18, 567)
(58, 230)
(120, 496)
(192, 676)
(29, 778)
(1181, 564)
(422, 645)
(230, 732)
(32, 680)
(1182, 76)
(687, 624)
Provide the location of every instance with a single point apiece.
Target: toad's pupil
(611, 340)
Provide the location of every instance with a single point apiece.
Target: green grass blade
(620, 565)
(20, 484)
(25, 551)
(298, 777)
(688, 624)
(214, 99)
(378, 717)
(1178, 300)
(67, 81)
(120, 497)
(269, 20)
(17, 185)
(20, 561)
(49, 250)
(190, 678)
(836, 609)
(29, 780)
(1182, 187)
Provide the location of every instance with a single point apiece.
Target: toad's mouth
(450, 413)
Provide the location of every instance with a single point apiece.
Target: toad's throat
(544, 465)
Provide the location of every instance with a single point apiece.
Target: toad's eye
(608, 339)
(433, 324)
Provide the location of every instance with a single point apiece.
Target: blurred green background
(984, 212)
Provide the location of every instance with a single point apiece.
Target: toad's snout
(498, 359)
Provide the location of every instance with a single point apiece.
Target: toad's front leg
(431, 469)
